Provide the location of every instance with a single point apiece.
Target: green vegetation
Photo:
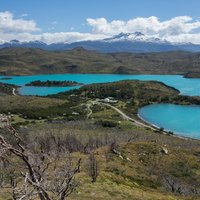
(131, 94)
(53, 83)
(139, 165)
(132, 162)
(128, 97)
(20, 61)
(40, 107)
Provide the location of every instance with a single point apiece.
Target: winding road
(126, 117)
(14, 91)
(88, 105)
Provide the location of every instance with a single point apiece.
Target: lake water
(185, 86)
(181, 119)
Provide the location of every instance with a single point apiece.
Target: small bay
(183, 120)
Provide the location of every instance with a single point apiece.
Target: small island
(6, 78)
(49, 83)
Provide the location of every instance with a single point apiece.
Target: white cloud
(8, 24)
(66, 37)
(178, 29)
(186, 38)
(150, 26)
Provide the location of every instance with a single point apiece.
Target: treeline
(121, 90)
(69, 111)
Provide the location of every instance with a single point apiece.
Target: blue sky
(55, 16)
(73, 13)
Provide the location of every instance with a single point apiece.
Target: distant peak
(134, 37)
(79, 48)
(127, 36)
(14, 41)
(121, 35)
(38, 41)
(138, 34)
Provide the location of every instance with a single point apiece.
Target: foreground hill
(25, 61)
(133, 162)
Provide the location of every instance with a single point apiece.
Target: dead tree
(114, 148)
(13, 184)
(40, 178)
(93, 168)
(3, 165)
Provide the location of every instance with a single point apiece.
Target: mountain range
(124, 42)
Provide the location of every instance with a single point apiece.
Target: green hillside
(133, 162)
(19, 61)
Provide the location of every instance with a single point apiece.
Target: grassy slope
(130, 95)
(16, 61)
(140, 178)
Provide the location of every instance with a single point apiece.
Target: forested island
(49, 83)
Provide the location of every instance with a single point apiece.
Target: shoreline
(89, 73)
(166, 131)
(154, 126)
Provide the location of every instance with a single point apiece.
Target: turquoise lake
(182, 120)
(185, 86)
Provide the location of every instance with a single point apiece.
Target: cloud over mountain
(150, 26)
(177, 29)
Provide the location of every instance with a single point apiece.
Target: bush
(107, 123)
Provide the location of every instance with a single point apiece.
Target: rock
(75, 113)
(128, 159)
(165, 150)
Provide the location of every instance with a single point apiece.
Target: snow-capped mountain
(124, 42)
(134, 37)
(17, 43)
(137, 36)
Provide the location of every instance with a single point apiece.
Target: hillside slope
(133, 162)
(22, 61)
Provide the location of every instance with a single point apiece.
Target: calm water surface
(185, 86)
(183, 120)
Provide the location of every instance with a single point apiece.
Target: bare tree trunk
(93, 168)
(38, 180)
